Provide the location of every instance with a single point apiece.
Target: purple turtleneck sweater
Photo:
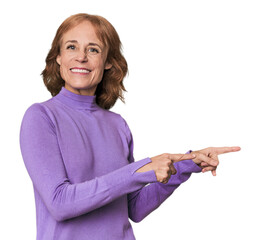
(80, 160)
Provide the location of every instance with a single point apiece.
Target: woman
(79, 154)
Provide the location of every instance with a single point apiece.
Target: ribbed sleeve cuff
(143, 176)
(127, 180)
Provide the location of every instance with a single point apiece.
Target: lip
(79, 70)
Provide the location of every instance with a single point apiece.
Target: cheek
(64, 64)
(66, 58)
(64, 69)
(64, 61)
(100, 63)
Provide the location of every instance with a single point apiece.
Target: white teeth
(79, 70)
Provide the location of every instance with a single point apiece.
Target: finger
(164, 181)
(207, 169)
(180, 157)
(161, 180)
(214, 157)
(204, 164)
(208, 160)
(213, 171)
(173, 170)
(222, 150)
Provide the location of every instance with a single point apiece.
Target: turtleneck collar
(77, 101)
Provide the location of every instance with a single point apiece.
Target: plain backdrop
(192, 83)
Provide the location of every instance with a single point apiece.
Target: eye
(72, 47)
(92, 50)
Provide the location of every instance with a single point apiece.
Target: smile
(80, 70)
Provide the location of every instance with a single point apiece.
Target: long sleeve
(145, 200)
(45, 165)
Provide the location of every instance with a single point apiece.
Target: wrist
(147, 167)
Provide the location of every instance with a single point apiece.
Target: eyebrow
(90, 44)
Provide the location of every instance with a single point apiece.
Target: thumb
(180, 157)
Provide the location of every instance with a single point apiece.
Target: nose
(82, 56)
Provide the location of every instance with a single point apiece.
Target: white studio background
(192, 83)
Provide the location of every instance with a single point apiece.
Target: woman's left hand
(207, 158)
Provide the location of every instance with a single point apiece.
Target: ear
(108, 66)
(58, 59)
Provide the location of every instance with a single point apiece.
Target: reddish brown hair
(111, 87)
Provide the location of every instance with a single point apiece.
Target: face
(82, 59)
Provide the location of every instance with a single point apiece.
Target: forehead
(82, 32)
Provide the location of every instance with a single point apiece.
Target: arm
(143, 201)
(147, 199)
(44, 163)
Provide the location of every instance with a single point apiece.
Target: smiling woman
(88, 43)
(82, 60)
(79, 154)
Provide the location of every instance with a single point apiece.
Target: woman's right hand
(163, 165)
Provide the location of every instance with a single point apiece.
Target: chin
(75, 86)
(78, 85)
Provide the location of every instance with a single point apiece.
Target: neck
(77, 101)
(89, 92)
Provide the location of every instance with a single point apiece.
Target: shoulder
(36, 109)
(37, 112)
(45, 107)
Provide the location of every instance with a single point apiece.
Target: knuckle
(201, 154)
(162, 179)
(210, 149)
(168, 165)
(169, 161)
(165, 166)
(165, 176)
(168, 168)
(166, 155)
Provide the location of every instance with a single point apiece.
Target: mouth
(80, 70)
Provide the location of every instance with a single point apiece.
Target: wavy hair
(111, 86)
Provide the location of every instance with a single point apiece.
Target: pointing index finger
(221, 150)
